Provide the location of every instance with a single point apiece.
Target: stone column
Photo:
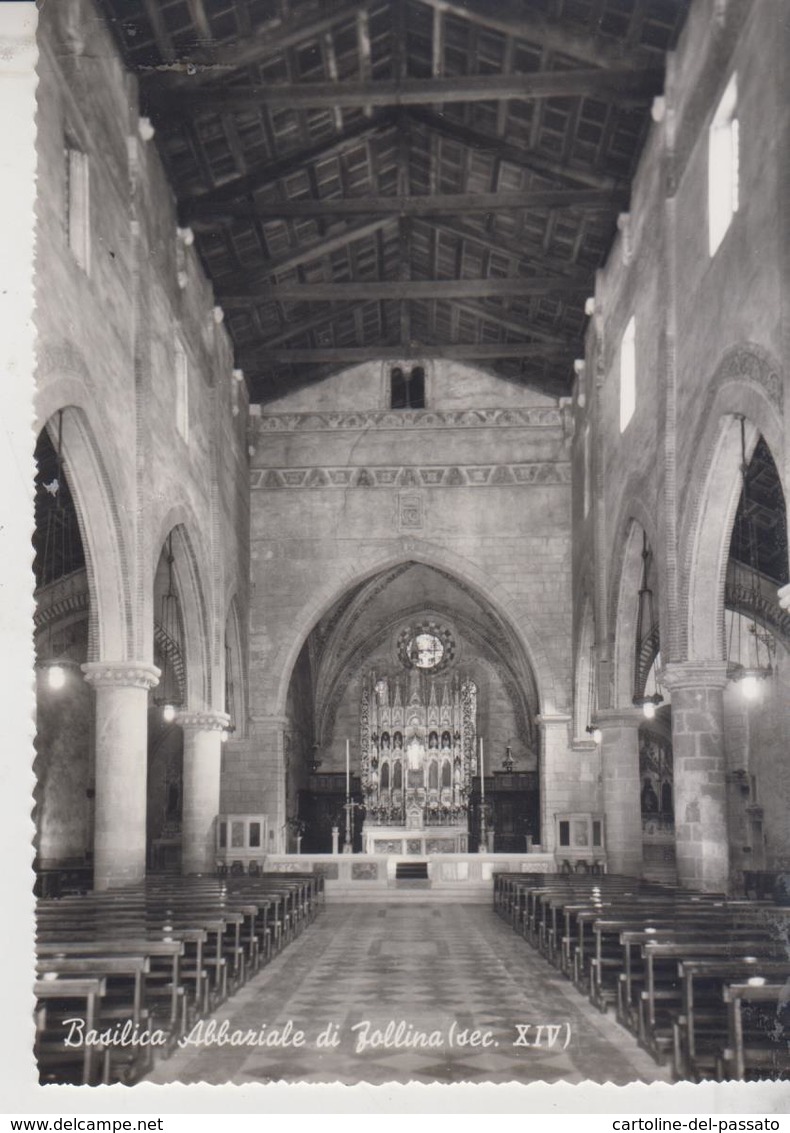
(557, 779)
(701, 835)
(202, 758)
(121, 769)
(622, 801)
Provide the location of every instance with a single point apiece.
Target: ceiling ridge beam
(439, 204)
(622, 84)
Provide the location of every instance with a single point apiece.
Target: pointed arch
(111, 620)
(512, 612)
(190, 570)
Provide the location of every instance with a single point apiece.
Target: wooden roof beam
(355, 354)
(622, 84)
(511, 18)
(337, 292)
(441, 204)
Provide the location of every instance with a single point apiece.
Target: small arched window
(407, 390)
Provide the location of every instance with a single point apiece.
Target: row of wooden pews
(123, 974)
(698, 978)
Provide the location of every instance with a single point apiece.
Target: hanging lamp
(168, 632)
(646, 634)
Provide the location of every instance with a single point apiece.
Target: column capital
(676, 675)
(618, 718)
(121, 674)
(203, 721)
(553, 720)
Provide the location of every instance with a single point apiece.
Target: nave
(429, 966)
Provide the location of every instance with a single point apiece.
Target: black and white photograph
(399, 444)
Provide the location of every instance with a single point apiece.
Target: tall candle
(348, 769)
(482, 773)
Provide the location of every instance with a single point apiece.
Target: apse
(412, 655)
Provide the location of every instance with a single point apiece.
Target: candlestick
(347, 846)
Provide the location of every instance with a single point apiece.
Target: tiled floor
(435, 972)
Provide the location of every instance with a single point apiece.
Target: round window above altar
(426, 651)
(426, 645)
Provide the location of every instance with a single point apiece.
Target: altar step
(404, 893)
(411, 871)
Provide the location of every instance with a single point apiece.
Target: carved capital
(208, 721)
(679, 675)
(618, 718)
(557, 720)
(121, 674)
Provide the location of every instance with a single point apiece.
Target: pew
(58, 999)
(758, 1029)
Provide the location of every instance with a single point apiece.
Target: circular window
(426, 645)
(426, 651)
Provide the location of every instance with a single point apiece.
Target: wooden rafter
(511, 18)
(445, 127)
(211, 65)
(266, 174)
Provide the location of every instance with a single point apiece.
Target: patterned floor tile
(369, 985)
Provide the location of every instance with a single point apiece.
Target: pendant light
(646, 636)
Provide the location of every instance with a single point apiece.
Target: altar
(399, 840)
(418, 756)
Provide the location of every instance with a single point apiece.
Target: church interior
(412, 620)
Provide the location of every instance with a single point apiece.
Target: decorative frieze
(539, 417)
(434, 476)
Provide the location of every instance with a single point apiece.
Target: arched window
(407, 390)
(397, 778)
(446, 774)
(433, 775)
(385, 776)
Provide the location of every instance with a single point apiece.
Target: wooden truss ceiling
(400, 178)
